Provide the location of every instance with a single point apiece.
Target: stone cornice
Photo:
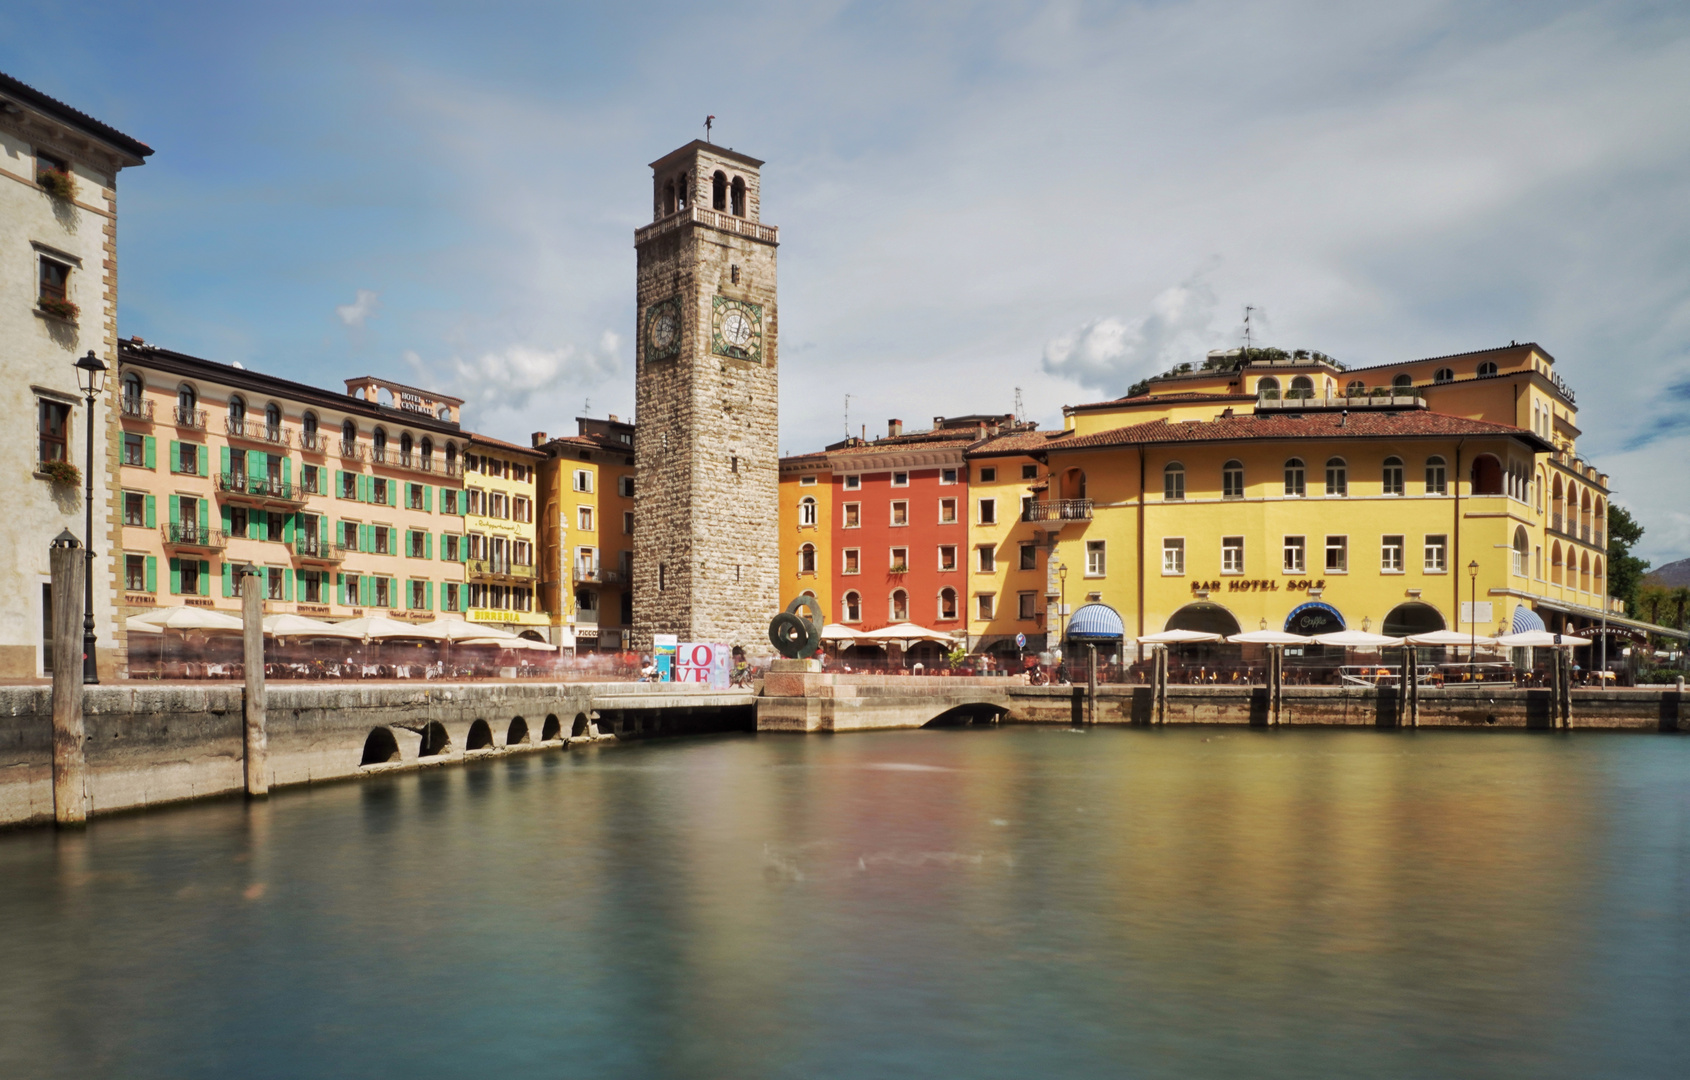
(710, 219)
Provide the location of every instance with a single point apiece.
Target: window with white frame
(1437, 474)
(1232, 554)
(947, 605)
(900, 512)
(1390, 554)
(851, 561)
(988, 511)
(1232, 480)
(947, 511)
(584, 518)
(985, 605)
(1296, 555)
(806, 512)
(1337, 477)
(947, 556)
(851, 516)
(1337, 554)
(1173, 555)
(807, 559)
(1437, 554)
(1097, 560)
(988, 558)
(852, 483)
(900, 479)
(583, 480)
(806, 481)
(947, 476)
(1173, 482)
(1295, 475)
(898, 560)
(898, 606)
(1392, 476)
(851, 608)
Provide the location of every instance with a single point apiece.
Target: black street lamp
(91, 377)
(1062, 610)
(1473, 622)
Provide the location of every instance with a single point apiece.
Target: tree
(1680, 601)
(1625, 570)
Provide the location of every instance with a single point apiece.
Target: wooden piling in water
(70, 781)
(1091, 684)
(256, 740)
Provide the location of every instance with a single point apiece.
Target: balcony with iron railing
(593, 574)
(313, 442)
(314, 549)
(498, 570)
(257, 431)
(187, 535)
(195, 419)
(261, 490)
(351, 451)
(136, 409)
(1058, 510)
(1379, 397)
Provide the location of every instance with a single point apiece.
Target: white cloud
(1109, 355)
(363, 307)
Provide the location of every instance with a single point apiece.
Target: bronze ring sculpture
(796, 636)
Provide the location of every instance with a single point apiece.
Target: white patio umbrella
(139, 624)
(1358, 639)
(1539, 639)
(839, 632)
(511, 642)
(1448, 637)
(1177, 637)
(381, 628)
(191, 618)
(295, 626)
(1266, 637)
(907, 632)
(458, 629)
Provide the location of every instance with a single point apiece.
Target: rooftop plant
(61, 309)
(57, 182)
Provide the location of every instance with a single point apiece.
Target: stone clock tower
(706, 535)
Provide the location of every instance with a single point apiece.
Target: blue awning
(1096, 622)
(1526, 619)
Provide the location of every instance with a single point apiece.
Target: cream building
(58, 302)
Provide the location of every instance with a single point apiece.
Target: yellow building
(587, 533)
(500, 492)
(1008, 544)
(806, 514)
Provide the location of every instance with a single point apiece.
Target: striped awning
(1096, 622)
(1525, 619)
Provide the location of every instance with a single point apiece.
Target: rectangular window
(348, 485)
(350, 592)
(1337, 554)
(584, 518)
(190, 577)
(900, 512)
(522, 509)
(312, 479)
(1390, 554)
(853, 515)
(383, 598)
(1096, 559)
(188, 459)
(379, 487)
(449, 501)
(986, 605)
(382, 542)
(988, 511)
(988, 475)
(135, 509)
(852, 483)
(1026, 605)
(1029, 556)
(806, 481)
(414, 496)
(947, 511)
(988, 556)
(522, 553)
(583, 480)
(273, 583)
(454, 598)
(947, 476)
(311, 586)
(627, 523)
(1437, 554)
(625, 485)
(1029, 472)
(853, 563)
(419, 595)
(1232, 554)
(1173, 555)
(947, 557)
(135, 573)
(55, 280)
(900, 479)
(452, 547)
(134, 449)
(477, 501)
(416, 544)
(900, 561)
(498, 506)
(1296, 560)
(349, 535)
(54, 423)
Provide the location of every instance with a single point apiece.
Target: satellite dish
(238, 366)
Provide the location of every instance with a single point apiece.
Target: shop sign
(1259, 585)
(492, 615)
(1314, 618)
(697, 662)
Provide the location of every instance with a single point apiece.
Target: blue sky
(973, 197)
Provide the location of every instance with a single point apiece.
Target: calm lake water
(990, 903)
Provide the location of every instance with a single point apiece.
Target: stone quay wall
(149, 745)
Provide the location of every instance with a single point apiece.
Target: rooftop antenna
(587, 406)
(708, 121)
(1248, 308)
(1019, 409)
(847, 416)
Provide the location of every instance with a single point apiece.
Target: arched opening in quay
(517, 733)
(380, 748)
(480, 737)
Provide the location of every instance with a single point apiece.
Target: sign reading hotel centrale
(1259, 585)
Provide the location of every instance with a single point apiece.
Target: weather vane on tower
(708, 120)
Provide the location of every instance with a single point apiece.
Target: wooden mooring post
(1091, 684)
(69, 564)
(1159, 687)
(257, 740)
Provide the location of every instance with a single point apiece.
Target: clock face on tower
(663, 329)
(737, 329)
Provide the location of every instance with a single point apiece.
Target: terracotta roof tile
(1418, 424)
(1182, 398)
(488, 440)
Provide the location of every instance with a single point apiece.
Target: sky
(974, 199)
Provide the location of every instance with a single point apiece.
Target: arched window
(1294, 478)
(899, 608)
(669, 198)
(851, 608)
(1301, 387)
(681, 193)
(807, 559)
(1437, 476)
(187, 404)
(1443, 375)
(405, 447)
(427, 452)
(308, 424)
(1555, 563)
(443, 412)
(1403, 382)
(1074, 484)
(451, 457)
(1584, 571)
(1356, 388)
(1337, 477)
(1487, 475)
(237, 415)
(719, 191)
(1232, 480)
(378, 442)
(1557, 506)
(1267, 387)
(1522, 551)
(1393, 476)
(1487, 368)
(1600, 584)
(273, 422)
(1173, 482)
(132, 393)
(348, 437)
(738, 197)
(806, 511)
(1600, 523)
(947, 605)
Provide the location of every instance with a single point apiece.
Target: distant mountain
(1672, 575)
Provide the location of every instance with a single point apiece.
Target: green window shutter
(228, 519)
(369, 584)
(175, 453)
(428, 545)
(430, 588)
(339, 482)
(263, 524)
(151, 450)
(340, 588)
(428, 497)
(202, 458)
(152, 511)
(288, 528)
(367, 538)
(287, 584)
(362, 483)
(175, 510)
(287, 470)
(205, 516)
(228, 585)
(205, 577)
(152, 573)
(256, 465)
(223, 459)
(175, 574)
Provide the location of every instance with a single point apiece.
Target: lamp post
(91, 378)
(1473, 620)
(1062, 609)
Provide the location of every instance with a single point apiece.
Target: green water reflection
(983, 903)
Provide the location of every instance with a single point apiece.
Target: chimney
(894, 428)
(539, 438)
(613, 419)
(137, 339)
